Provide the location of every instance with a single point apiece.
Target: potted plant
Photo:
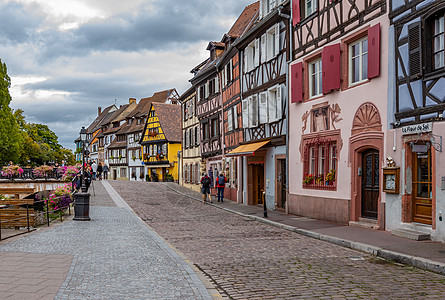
(134, 158)
(308, 179)
(330, 177)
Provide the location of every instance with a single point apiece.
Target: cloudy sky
(67, 57)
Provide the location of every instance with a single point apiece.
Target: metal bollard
(264, 204)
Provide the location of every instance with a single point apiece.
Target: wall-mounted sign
(391, 179)
(419, 128)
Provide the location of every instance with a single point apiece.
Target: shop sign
(419, 128)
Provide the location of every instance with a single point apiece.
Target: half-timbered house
(161, 141)
(415, 185)
(208, 109)
(230, 80)
(190, 173)
(263, 57)
(337, 110)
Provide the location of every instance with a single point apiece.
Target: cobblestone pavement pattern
(115, 256)
(246, 259)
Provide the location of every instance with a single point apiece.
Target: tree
(10, 138)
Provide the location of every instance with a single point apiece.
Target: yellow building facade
(161, 142)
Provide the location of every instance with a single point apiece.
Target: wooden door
(422, 188)
(281, 184)
(257, 183)
(370, 183)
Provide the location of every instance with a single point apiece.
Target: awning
(247, 149)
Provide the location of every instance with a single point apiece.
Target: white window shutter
(245, 60)
(279, 102)
(245, 115)
(229, 120)
(277, 39)
(217, 84)
(235, 117)
(253, 112)
(187, 139)
(261, 8)
(192, 107)
(263, 48)
(272, 106)
(257, 52)
(263, 108)
(207, 89)
(231, 69)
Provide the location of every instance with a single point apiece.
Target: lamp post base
(81, 207)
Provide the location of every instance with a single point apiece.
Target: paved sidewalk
(113, 256)
(427, 255)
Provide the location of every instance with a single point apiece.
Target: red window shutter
(296, 82)
(330, 60)
(296, 17)
(374, 51)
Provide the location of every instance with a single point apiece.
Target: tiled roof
(169, 116)
(115, 144)
(99, 120)
(244, 21)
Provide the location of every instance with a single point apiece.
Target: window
(272, 47)
(164, 149)
(315, 78)
(358, 61)
(123, 172)
(196, 136)
(191, 137)
(251, 56)
(229, 120)
(320, 164)
(253, 111)
(274, 102)
(310, 6)
(438, 43)
(215, 129)
(205, 131)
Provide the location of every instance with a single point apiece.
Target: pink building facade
(337, 111)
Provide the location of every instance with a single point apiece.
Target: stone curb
(419, 262)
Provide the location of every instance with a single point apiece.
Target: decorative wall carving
(367, 118)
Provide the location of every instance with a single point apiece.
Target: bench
(16, 192)
(16, 217)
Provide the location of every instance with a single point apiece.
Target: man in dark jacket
(205, 187)
(220, 184)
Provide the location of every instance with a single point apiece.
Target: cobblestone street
(246, 259)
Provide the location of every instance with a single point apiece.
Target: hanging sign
(419, 128)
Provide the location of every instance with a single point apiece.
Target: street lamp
(82, 200)
(83, 139)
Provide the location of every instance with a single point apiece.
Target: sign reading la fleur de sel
(419, 128)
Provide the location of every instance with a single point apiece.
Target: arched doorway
(366, 144)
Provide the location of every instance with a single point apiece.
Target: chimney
(132, 100)
(99, 111)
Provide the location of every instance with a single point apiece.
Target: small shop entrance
(422, 187)
(257, 171)
(281, 184)
(370, 184)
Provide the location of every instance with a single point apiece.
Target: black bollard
(264, 204)
(81, 207)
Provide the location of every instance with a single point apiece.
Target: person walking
(205, 187)
(105, 171)
(220, 184)
(99, 171)
(94, 170)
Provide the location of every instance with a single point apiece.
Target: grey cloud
(18, 23)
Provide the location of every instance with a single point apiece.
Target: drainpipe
(290, 45)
